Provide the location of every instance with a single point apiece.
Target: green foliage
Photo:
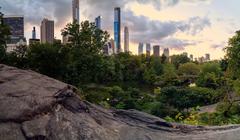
(188, 73)
(4, 36)
(185, 98)
(233, 54)
(169, 76)
(177, 60)
(210, 76)
(48, 59)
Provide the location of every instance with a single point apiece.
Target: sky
(194, 26)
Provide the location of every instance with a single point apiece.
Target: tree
(48, 59)
(4, 36)
(233, 54)
(87, 43)
(177, 60)
(169, 76)
(210, 75)
(188, 72)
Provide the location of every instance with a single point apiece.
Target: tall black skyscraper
(117, 29)
(76, 11)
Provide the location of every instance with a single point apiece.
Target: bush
(185, 98)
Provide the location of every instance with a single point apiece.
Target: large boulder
(36, 107)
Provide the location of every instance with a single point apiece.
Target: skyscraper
(76, 11)
(140, 49)
(166, 52)
(126, 39)
(33, 40)
(117, 29)
(34, 33)
(148, 49)
(156, 50)
(47, 31)
(98, 22)
(16, 24)
(207, 57)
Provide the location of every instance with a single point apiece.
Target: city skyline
(180, 26)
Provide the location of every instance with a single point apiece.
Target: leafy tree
(169, 76)
(233, 54)
(4, 36)
(87, 43)
(48, 59)
(188, 72)
(18, 57)
(177, 60)
(210, 76)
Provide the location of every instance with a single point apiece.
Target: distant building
(34, 33)
(33, 40)
(117, 29)
(112, 46)
(76, 11)
(140, 49)
(47, 31)
(148, 49)
(109, 48)
(126, 39)
(191, 57)
(98, 22)
(156, 50)
(166, 52)
(201, 59)
(185, 53)
(207, 57)
(16, 24)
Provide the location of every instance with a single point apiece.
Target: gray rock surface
(35, 107)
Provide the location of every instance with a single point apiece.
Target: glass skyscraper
(117, 29)
(148, 49)
(16, 24)
(140, 49)
(98, 22)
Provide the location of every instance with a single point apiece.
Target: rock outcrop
(36, 107)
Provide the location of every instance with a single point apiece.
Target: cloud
(142, 29)
(219, 46)
(177, 44)
(146, 30)
(35, 10)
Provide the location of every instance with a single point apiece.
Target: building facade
(166, 52)
(34, 33)
(140, 49)
(117, 29)
(76, 11)
(126, 39)
(156, 50)
(16, 24)
(98, 22)
(207, 57)
(47, 31)
(148, 49)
